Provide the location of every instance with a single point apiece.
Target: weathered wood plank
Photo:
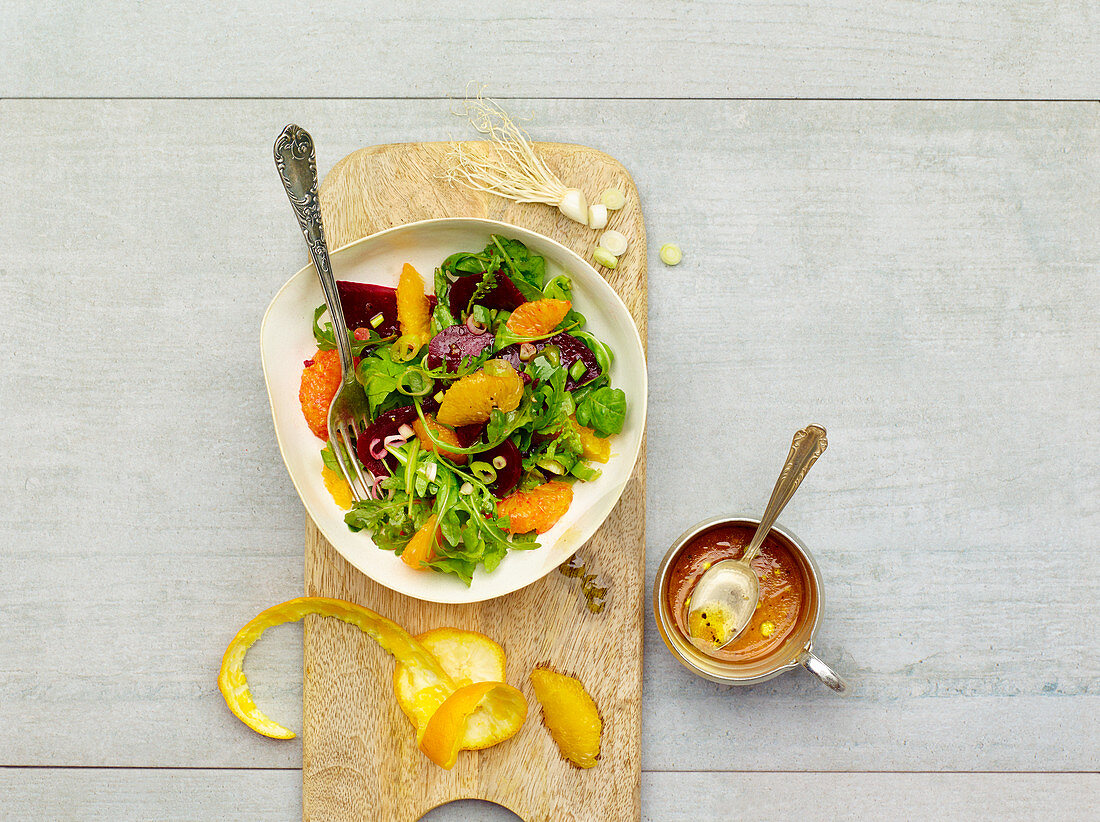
(671, 48)
(920, 278)
(262, 795)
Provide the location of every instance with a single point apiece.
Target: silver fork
(348, 415)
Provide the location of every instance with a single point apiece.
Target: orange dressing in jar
(782, 588)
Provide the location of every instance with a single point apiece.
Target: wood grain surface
(359, 757)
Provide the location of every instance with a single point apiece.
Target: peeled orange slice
(413, 308)
(538, 509)
(570, 715)
(441, 433)
(473, 398)
(421, 548)
(592, 447)
(338, 487)
(538, 317)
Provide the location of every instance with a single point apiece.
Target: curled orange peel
(447, 718)
(428, 675)
(503, 706)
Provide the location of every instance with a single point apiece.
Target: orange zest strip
(429, 676)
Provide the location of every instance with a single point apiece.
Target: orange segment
(570, 715)
(593, 447)
(413, 310)
(503, 708)
(538, 509)
(539, 317)
(320, 381)
(441, 432)
(472, 398)
(338, 487)
(467, 657)
(421, 548)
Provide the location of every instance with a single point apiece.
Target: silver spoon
(723, 600)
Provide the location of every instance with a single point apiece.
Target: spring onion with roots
(509, 166)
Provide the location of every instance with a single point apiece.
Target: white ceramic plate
(286, 340)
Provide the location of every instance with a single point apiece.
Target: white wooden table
(890, 226)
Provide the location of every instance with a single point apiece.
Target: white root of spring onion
(604, 257)
(613, 199)
(509, 167)
(597, 216)
(614, 241)
(670, 254)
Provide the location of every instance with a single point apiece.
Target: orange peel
(570, 715)
(500, 705)
(429, 675)
(468, 657)
(448, 717)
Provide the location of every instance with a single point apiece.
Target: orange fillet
(441, 433)
(473, 398)
(413, 308)
(320, 381)
(570, 715)
(539, 317)
(421, 548)
(536, 510)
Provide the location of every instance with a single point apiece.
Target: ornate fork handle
(297, 164)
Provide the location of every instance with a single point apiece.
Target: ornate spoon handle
(297, 165)
(808, 444)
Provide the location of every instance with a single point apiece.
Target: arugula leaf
(379, 376)
(603, 410)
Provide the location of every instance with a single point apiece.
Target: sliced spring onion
(605, 258)
(406, 431)
(415, 382)
(376, 320)
(393, 441)
(483, 471)
(405, 348)
(552, 354)
(475, 325)
(466, 489)
(578, 369)
(614, 241)
(527, 351)
(551, 465)
(499, 461)
(377, 448)
(574, 205)
(438, 396)
(670, 254)
(597, 216)
(430, 469)
(613, 199)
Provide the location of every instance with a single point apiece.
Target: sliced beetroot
(455, 344)
(508, 476)
(469, 434)
(363, 301)
(386, 425)
(503, 296)
(571, 349)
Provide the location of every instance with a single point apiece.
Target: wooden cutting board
(359, 757)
